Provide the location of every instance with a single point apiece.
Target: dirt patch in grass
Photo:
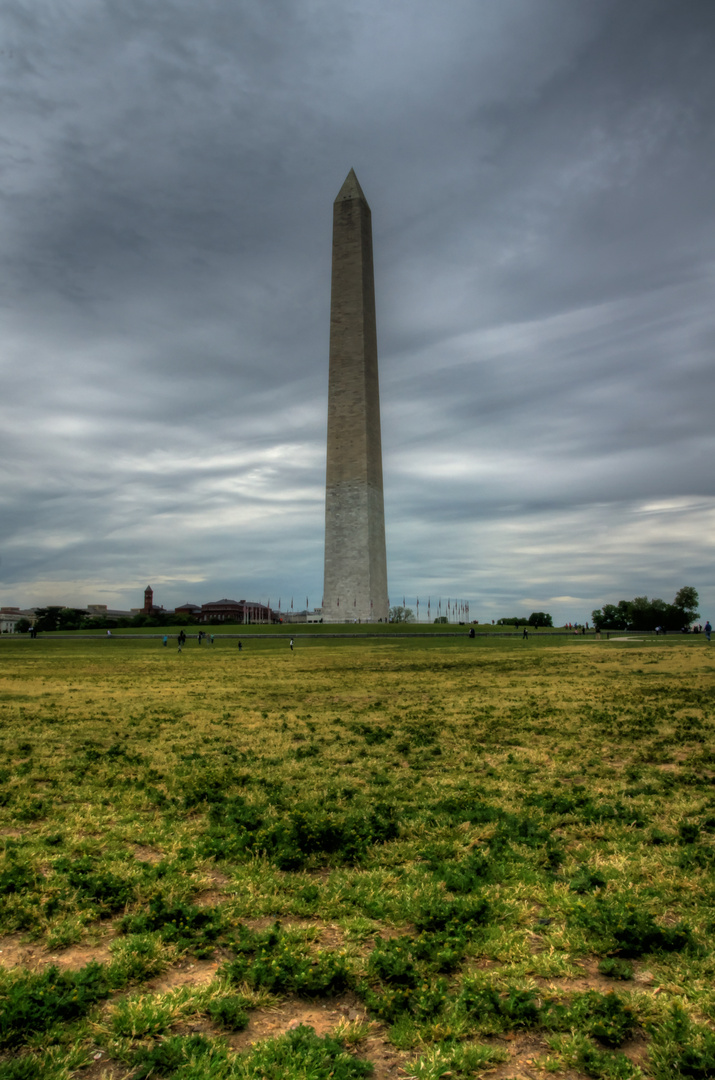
(387, 1061)
(208, 898)
(523, 1050)
(323, 1018)
(592, 979)
(187, 973)
(637, 1051)
(101, 1069)
(218, 879)
(146, 854)
(16, 953)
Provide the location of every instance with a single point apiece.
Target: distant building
(10, 617)
(236, 611)
(150, 608)
(101, 611)
(194, 610)
(314, 616)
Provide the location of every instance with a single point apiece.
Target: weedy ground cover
(474, 849)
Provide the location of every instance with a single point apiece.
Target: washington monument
(355, 583)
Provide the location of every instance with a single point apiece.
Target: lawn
(415, 857)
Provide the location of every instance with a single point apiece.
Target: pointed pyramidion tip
(351, 189)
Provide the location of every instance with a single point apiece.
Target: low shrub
(393, 962)
(301, 1055)
(269, 961)
(631, 931)
(32, 1003)
(424, 1002)
(453, 917)
(614, 968)
(27, 1067)
(466, 875)
(586, 880)
(681, 1048)
(228, 1012)
(109, 892)
(166, 1057)
(186, 925)
(16, 878)
(496, 1010)
(607, 1018)
(343, 838)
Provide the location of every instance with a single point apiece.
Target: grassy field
(400, 858)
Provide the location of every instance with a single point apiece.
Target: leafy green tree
(46, 618)
(612, 617)
(686, 602)
(22, 626)
(70, 618)
(402, 614)
(540, 618)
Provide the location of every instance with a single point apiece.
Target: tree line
(537, 618)
(644, 614)
(63, 618)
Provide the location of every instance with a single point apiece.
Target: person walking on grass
(291, 644)
(165, 641)
(708, 630)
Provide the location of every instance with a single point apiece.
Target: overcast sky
(541, 179)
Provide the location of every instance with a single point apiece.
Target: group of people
(201, 637)
(181, 639)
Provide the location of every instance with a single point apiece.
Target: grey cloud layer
(541, 184)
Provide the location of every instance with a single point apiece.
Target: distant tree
(70, 618)
(610, 617)
(686, 602)
(22, 626)
(512, 620)
(441, 619)
(540, 618)
(46, 618)
(402, 614)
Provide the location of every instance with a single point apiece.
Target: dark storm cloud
(540, 178)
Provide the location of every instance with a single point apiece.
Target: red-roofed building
(236, 611)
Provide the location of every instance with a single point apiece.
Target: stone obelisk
(355, 583)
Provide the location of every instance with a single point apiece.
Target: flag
(291, 603)
(306, 603)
